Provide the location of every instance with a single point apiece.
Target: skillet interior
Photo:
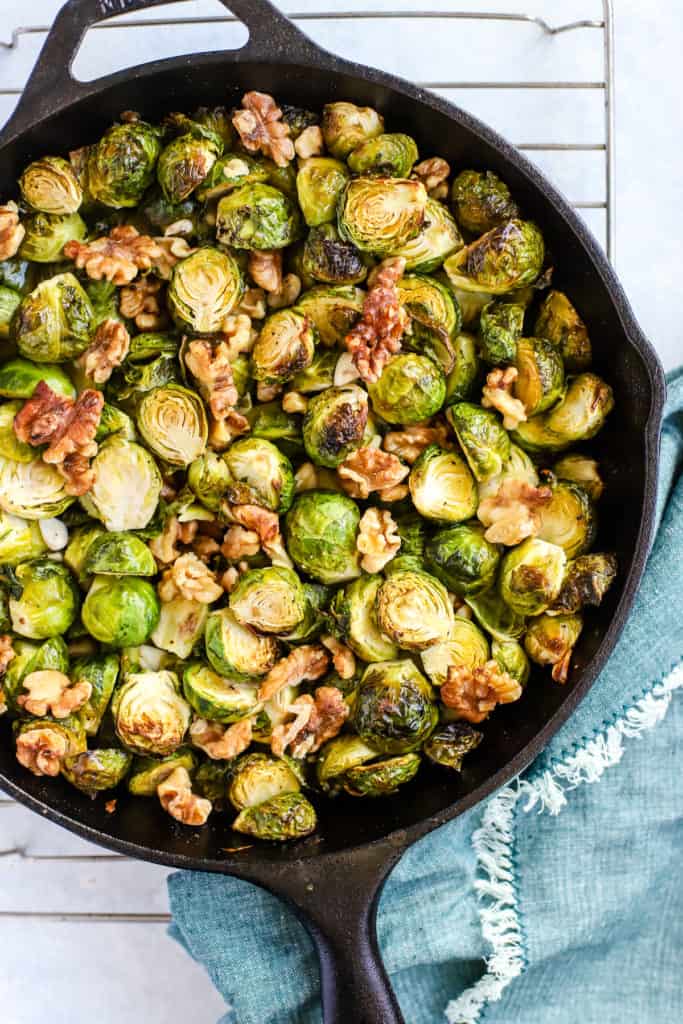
(518, 732)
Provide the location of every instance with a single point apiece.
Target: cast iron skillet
(333, 879)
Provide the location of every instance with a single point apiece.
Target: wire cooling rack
(68, 849)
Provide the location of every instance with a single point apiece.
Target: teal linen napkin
(574, 913)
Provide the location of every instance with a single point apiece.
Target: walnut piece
(238, 334)
(177, 798)
(140, 302)
(169, 251)
(52, 692)
(164, 547)
(224, 431)
(42, 751)
(265, 524)
(11, 231)
(240, 543)
(512, 513)
(294, 401)
(498, 395)
(7, 652)
(377, 335)
(377, 540)
(287, 293)
(67, 427)
(191, 579)
(205, 548)
(267, 392)
(253, 303)
(317, 719)
(221, 742)
(370, 469)
(308, 662)
(261, 129)
(410, 442)
(116, 257)
(231, 575)
(309, 143)
(474, 692)
(106, 351)
(265, 269)
(211, 368)
(343, 658)
(433, 173)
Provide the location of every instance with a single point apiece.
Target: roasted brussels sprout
(28, 658)
(211, 782)
(391, 155)
(482, 438)
(481, 201)
(379, 215)
(120, 611)
(462, 558)
(271, 422)
(119, 554)
(463, 376)
(449, 744)
(333, 311)
(180, 626)
(53, 322)
(150, 716)
(466, 645)
(186, 161)
(259, 474)
(101, 672)
(434, 318)
(500, 326)
(204, 289)
(47, 234)
(259, 777)
(345, 126)
(495, 616)
(319, 375)
(411, 388)
(578, 416)
(540, 375)
(19, 377)
(257, 217)
(395, 711)
(53, 740)
(216, 698)
(587, 580)
(321, 529)
(559, 323)
(271, 600)
(9, 303)
(232, 170)
(319, 183)
(46, 600)
(581, 469)
(335, 424)
(284, 346)
(50, 185)
(506, 258)
(127, 485)
(10, 445)
(381, 778)
(287, 816)
(172, 421)
(413, 609)
(20, 540)
(511, 658)
(76, 551)
(95, 770)
(569, 519)
(327, 257)
(235, 650)
(32, 490)
(531, 576)
(438, 239)
(550, 640)
(442, 486)
(120, 166)
(339, 756)
(208, 478)
(147, 772)
(354, 611)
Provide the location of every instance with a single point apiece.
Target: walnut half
(308, 662)
(474, 692)
(221, 742)
(378, 540)
(178, 800)
(50, 691)
(261, 128)
(377, 335)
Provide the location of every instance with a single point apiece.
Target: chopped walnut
(308, 662)
(316, 720)
(265, 269)
(205, 548)
(498, 395)
(164, 547)
(106, 351)
(410, 442)
(377, 335)
(188, 531)
(238, 334)
(286, 732)
(287, 294)
(223, 432)
(378, 539)
(52, 691)
(474, 692)
(397, 493)
(513, 512)
(7, 652)
(221, 742)
(211, 368)
(140, 302)
(179, 228)
(67, 427)
(253, 303)
(311, 478)
(177, 798)
(261, 129)
(240, 543)
(370, 469)
(231, 575)
(169, 251)
(42, 751)
(11, 231)
(432, 173)
(110, 806)
(264, 523)
(191, 579)
(343, 658)
(309, 143)
(115, 257)
(294, 401)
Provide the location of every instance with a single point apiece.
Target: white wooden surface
(55, 959)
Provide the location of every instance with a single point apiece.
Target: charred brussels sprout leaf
(328, 258)
(481, 201)
(120, 611)
(395, 711)
(217, 698)
(121, 165)
(482, 438)
(587, 580)
(381, 778)
(335, 424)
(531, 576)
(506, 258)
(414, 610)
(442, 486)
(287, 816)
(559, 323)
(172, 421)
(235, 650)
(48, 602)
(257, 217)
(345, 126)
(578, 416)
(47, 234)
(127, 486)
(148, 772)
(150, 716)
(119, 554)
(411, 388)
(53, 323)
(569, 519)
(321, 529)
(392, 155)
(434, 318)
(449, 744)
(354, 611)
(462, 378)
(466, 645)
(540, 380)
(97, 770)
(257, 778)
(50, 185)
(500, 326)
(333, 310)
(259, 474)
(511, 658)
(204, 289)
(379, 215)
(284, 347)
(438, 238)
(319, 183)
(339, 756)
(462, 558)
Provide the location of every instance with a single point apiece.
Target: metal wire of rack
(605, 202)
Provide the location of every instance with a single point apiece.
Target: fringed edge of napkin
(494, 841)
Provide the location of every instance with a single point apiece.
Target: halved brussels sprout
(540, 375)
(471, 303)
(569, 519)
(119, 554)
(434, 318)
(257, 216)
(180, 626)
(211, 782)
(506, 258)
(48, 602)
(260, 777)
(413, 609)
(587, 580)
(438, 239)
(449, 744)
(284, 346)
(333, 311)
(550, 640)
(391, 155)
(32, 490)
(101, 672)
(313, 622)
(270, 421)
(216, 698)
(411, 388)
(395, 711)
(483, 439)
(511, 658)
(9, 303)
(232, 171)
(271, 600)
(335, 424)
(20, 540)
(559, 323)
(531, 576)
(321, 529)
(10, 445)
(354, 610)
(114, 421)
(235, 650)
(172, 421)
(287, 816)
(442, 486)
(500, 326)
(345, 126)
(150, 716)
(29, 657)
(19, 378)
(379, 215)
(185, 163)
(133, 381)
(381, 778)
(259, 474)
(581, 469)
(462, 378)
(340, 755)
(50, 185)
(127, 485)
(151, 344)
(120, 611)
(495, 616)
(518, 467)
(204, 289)
(96, 770)
(578, 416)
(319, 183)
(121, 165)
(328, 258)
(462, 558)
(481, 201)
(54, 321)
(148, 772)
(56, 740)
(466, 645)
(47, 234)
(77, 549)
(319, 375)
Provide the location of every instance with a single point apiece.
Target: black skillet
(334, 879)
